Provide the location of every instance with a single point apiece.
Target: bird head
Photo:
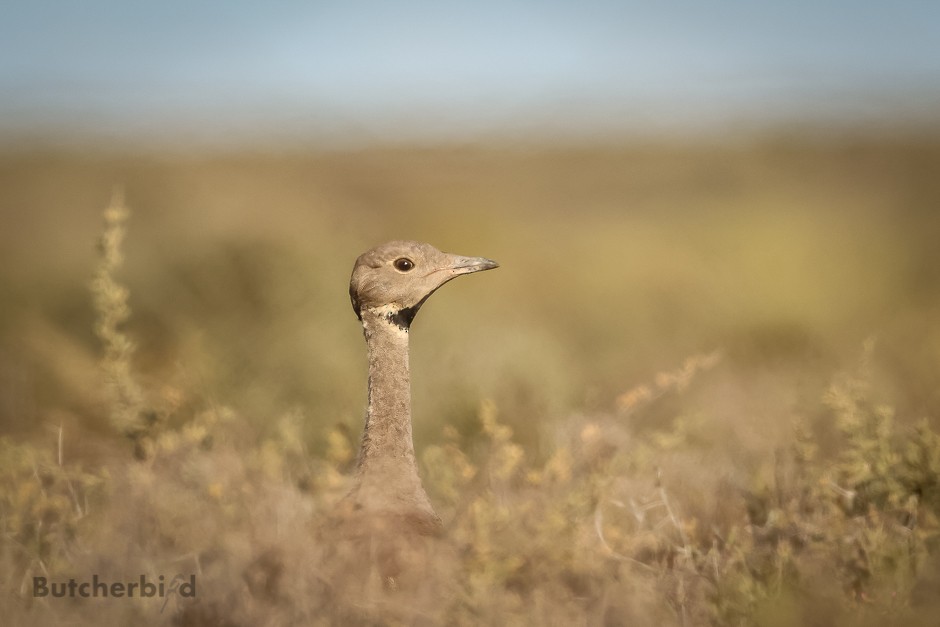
(399, 276)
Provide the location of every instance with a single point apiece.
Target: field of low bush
(703, 388)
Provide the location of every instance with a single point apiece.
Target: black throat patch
(403, 317)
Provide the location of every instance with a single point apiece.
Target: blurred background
(718, 229)
(658, 180)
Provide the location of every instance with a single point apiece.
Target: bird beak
(466, 265)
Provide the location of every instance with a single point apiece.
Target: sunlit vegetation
(702, 389)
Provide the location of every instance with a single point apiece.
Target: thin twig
(599, 529)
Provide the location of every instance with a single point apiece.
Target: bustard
(385, 525)
(389, 284)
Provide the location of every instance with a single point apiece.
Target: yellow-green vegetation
(702, 389)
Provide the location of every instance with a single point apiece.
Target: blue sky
(447, 68)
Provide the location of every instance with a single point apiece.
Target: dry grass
(784, 474)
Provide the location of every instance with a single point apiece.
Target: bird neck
(386, 453)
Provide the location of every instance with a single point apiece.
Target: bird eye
(404, 264)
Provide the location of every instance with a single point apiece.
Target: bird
(388, 286)
(384, 537)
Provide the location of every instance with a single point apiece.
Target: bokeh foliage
(701, 389)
